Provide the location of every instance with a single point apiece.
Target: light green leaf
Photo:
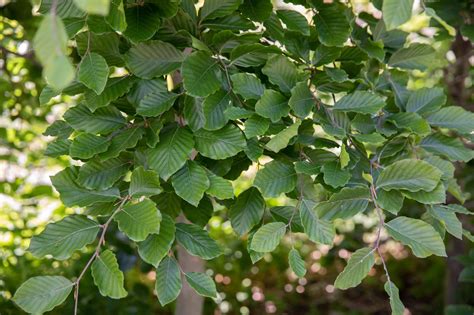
(344, 204)
(256, 126)
(116, 18)
(200, 74)
(409, 174)
(102, 175)
(275, 178)
(155, 104)
(426, 100)
(410, 121)
(93, 72)
(143, 21)
(197, 241)
(415, 56)
(156, 246)
(247, 211)
(219, 187)
(448, 219)
(214, 107)
(267, 237)
(363, 102)
(144, 183)
(294, 21)
(452, 148)
(115, 88)
(107, 275)
(297, 263)
(332, 25)
(217, 8)
(357, 269)
(86, 145)
(64, 9)
(334, 176)
(395, 303)
(453, 117)
(391, 201)
(220, 144)
(281, 139)
(138, 220)
(168, 281)
(396, 12)
(247, 85)
(153, 59)
(272, 105)
(437, 195)
(60, 239)
(444, 166)
(202, 284)
(72, 194)
(282, 72)
(171, 152)
(103, 120)
(190, 182)
(38, 295)
(301, 100)
(126, 139)
(99, 7)
(318, 230)
(421, 237)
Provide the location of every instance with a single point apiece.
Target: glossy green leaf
(256, 126)
(247, 211)
(296, 263)
(267, 237)
(144, 183)
(107, 275)
(86, 145)
(272, 105)
(281, 72)
(217, 8)
(294, 21)
(202, 284)
(247, 85)
(415, 56)
(168, 281)
(155, 104)
(453, 117)
(452, 148)
(138, 220)
(437, 195)
(214, 107)
(220, 144)
(200, 74)
(344, 204)
(395, 303)
(356, 269)
(334, 176)
(156, 246)
(102, 175)
(301, 100)
(197, 241)
(93, 72)
(275, 178)
(281, 139)
(318, 230)
(143, 21)
(115, 88)
(448, 219)
(396, 12)
(391, 201)
(122, 141)
(103, 120)
(426, 100)
(219, 187)
(191, 182)
(363, 102)
(332, 25)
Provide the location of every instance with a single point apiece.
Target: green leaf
(171, 152)
(426, 100)
(363, 102)
(143, 21)
(258, 10)
(344, 204)
(272, 105)
(448, 219)
(201, 214)
(267, 237)
(415, 56)
(116, 18)
(102, 175)
(220, 144)
(64, 9)
(200, 74)
(72, 194)
(396, 12)
(282, 72)
(126, 139)
(452, 148)
(99, 7)
(156, 246)
(334, 176)
(256, 126)
(58, 147)
(301, 100)
(144, 183)
(297, 263)
(219, 187)
(437, 195)
(107, 45)
(155, 104)
(153, 59)
(281, 139)
(214, 107)
(275, 178)
(409, 174)
(93, 72)
(332, 25)
(356, 269)
(421, 237)
(60, 239)
(202, 284)
(410, 121)
(247, 211)
(115, 88)
(191, 182)
(138, 220)
(38, 295)
(217, 8)
(107, 275)
(194, 113)
(247, 85)
(318, 230)
(59, 128)
(86, 145)
(197, 241)
(444, 166)
(391, 201)
(168, 281)
(294, 21)
(453, 117)
(234, 113)
(103, 120)
(251, 55)
(395, 303)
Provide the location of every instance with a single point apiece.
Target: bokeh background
(27, 202)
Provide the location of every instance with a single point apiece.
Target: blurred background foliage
(28, 202)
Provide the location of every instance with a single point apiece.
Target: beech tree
(176, 99)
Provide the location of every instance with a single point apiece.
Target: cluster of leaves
(176, 102)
